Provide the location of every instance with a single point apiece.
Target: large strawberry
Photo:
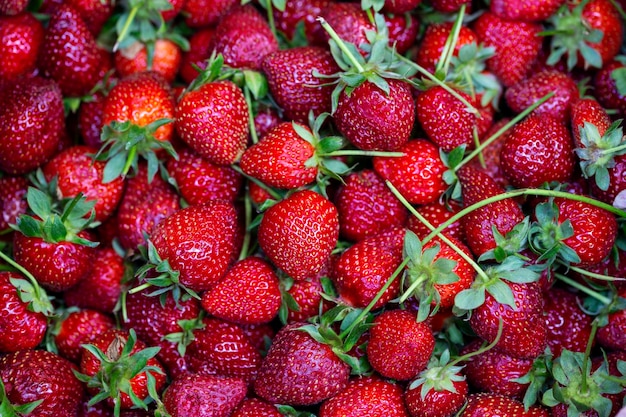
(568, 325)
(305, 13)
(493, 405)
(299, 370)
(527, 11)
(26, 146)
(298, 233)
(21, 37)
(78, 328)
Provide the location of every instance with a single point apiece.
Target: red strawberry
(20, 326)
(612, 336)
(366, 397)
(12, 200)
(298, 233)
(69, 53)
(20, 40)
(38, 375)
(366, 206)
(568, 326)
(436, 213)
(79, 328)
(198, 242)
(280, 159)
(493, 405)
(302, 12)
(291, 79)
(445, 396)
(528, 11)
(399, 347)
(90, 121)
(403, 30)
(299, 370)
(197, 55)
(348, 20)
(539, 149)
(166, 59)
(517, 46)
(12, 7)
(205, 13)
(244, 38)
(588, 110)
(266, 119)
(491, 154)
(434, 41)
(450, 6)
(248, 294)
(526, 92)
(218, 396)
(222, 348)
(253, 407)
(421, 156)
(401, 6)
(26, 146)
(95, 13)
(477, 225)
(606, 91)
(213, 121)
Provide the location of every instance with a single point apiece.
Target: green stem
(132, 155)
(418, 281)
(126, 28)
(139, 288)
(503, 129)
(595, 275)
(448, 50)
(270, 18)
(270, 191)
(341, 45)
(614, 150)
(40, 293)
(619, 9)
(253, 134)
(372, 303)
(358, 152)
(481, 158)
(586, 360)
(483, 349)
(247, 204)
(518, 193)
(69, 209)
(572, 283)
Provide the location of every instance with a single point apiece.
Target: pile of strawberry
(397, 208)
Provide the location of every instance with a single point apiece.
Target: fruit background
(401, 208)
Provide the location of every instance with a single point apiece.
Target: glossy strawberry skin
(422, 156)
(12, 200)
(434, 41)
(403, 30)
(539, 149)
(298, 233)
(462, 269)
(602, 15)
(219, 396)
(79, 328)
(26, 145)
(90, 120)
(253, 407)
(31, 375)
(299, 370)
(373, 120)
(436, 403)
(492, 405)
(292, 83)
(348, 20)
(606, 91)
(166, 60)
(399, 346)
(437, 213)
(590, 111)
(213, 121)
(568, 326)
(198, 53)
(528, 11)
(95, 13)
(21, 37)
(205, 13)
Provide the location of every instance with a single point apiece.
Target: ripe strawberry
(527, 11)
(21, 37)
(524, 93)
(197, 55)
(298, 233)
(477, 225)
(248, 294)
(366, 397)
(493, 405)
(26, 146)
(568, 325)
(588, 110)
(307, 294)
(219, 396)
(12, 7)
(304, 12)
(166, 59)
(69, 53)
(401, 6)
(612, 336)
(421, 156)
(517, 45)
(205, 13)
(22, 326)
(78, 328)
(491, 154)
(366, 206)
(399, 347)
(244, 38)
(450, 6)
(403, 30)
(207, 355)
(31, 376)
(439, 391)
(606, 91)
(213, 121)
(266, 119)
(94, 13)
(299, 370)
(539, 149)
(253, 407)
(12, 200)
(90, 122)
(349, 21)
(434, 41)
(437, 213)
(293, 83)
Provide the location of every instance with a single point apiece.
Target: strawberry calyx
(287, 301)
(125, 142)
(440, 375)
(536, 378)
(597, 155)
(11, 410)
(118, 366)
(186, 335)
(547, 236)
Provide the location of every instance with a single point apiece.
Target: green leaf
(619, 76)
(502, 293)
(412, 246)
(28, 226)
(39, 202)
(470, 298)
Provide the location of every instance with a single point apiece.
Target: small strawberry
(348, 20)
(95, 13)
(568, 325)
(164, 58)
(298, 233)
(78, 328)
(401, 6)
(21, 37)
(253, 407)
(305, 13)
(434, 41)
(299, 370)
(403, 30)
(197, 55)
(436, 213)
(90, 122)
(493, 405)
(588, 110)
(12, 201)
(606, 89)
(612, 336)
(527, 11)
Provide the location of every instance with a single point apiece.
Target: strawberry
(213, 121)
(524, 93)
(421, 156)
(12, 201)
(491, 154)
(197, 242)
(539, 149)
(298, 233)
(42, 379)
(517, 45)
(493, 405)
(588, 110)
(293, 81)
(248, 294)
(568, 325)
(436, 213)
(349, 21)
(301, 12)
(90, 122)
(69, 53)
(450, 6)
(116, 363)
(299, 370)
(21, 37)
(253, 407)
(266, 119)
(403, 30)
(306, 294)
(244, 38)
(205, 13)
(366, 206)
(206, 354)
(401, 6)
(12, 7)
(611, 336)
(22, 326)
(94, 13)
(165, 59)
(606, 89)
(528, 11)
(78, 328)
(197, 54)
(477, 225)
(366, 397)
(219, 396)
(434, 41)
(26, 146)
(399, 347)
